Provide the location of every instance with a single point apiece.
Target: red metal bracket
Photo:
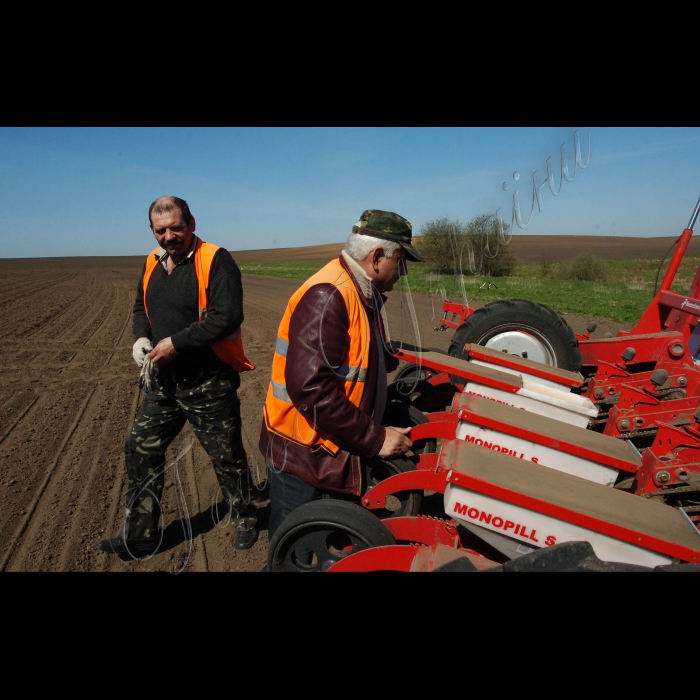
(441, 429)
(394, 557)
(421, 479)
(423, 529)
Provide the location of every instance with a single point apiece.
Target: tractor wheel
(318, 534)
(520, 327)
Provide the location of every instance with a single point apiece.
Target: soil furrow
(112, 524)
(84, 317)
(199, 548)
(18, 419)
(105, 317)
(29, 512)
(34, 290)
(53, 318)
(92, 473)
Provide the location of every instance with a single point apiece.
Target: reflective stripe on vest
(281, 416)
(229, 349)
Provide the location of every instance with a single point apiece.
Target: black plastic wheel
(520, 327)
(409, 388)
(410, 373)
(398, 505)
(318, 534)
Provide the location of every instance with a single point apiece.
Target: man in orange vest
(187, 318)
(327, 394)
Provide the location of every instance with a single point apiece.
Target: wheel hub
(522, 344)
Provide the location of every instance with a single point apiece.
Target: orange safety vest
(229, 349)
(281, 416)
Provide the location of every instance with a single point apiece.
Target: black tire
(322, 533)
(520, 324)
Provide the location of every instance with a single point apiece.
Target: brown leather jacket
(318, 335)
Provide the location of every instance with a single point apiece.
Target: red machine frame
(646, 386)
(645, 383)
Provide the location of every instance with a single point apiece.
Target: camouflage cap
(390, 227)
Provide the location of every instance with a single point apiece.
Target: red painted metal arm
(441, 429)
(676, 260)
(418, 480)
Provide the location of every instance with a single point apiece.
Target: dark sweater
(173, 306)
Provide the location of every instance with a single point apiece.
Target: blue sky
(86, 191)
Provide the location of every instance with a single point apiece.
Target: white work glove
(141, 349)
(149, 372)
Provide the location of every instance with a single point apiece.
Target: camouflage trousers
(209, 401)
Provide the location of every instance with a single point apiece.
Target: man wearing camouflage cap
(327, 394)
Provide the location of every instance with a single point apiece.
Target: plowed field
(68, 394)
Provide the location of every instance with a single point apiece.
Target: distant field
(291, 270)
(314, 253)
(528, 249)
(622, 296)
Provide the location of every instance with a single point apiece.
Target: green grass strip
(622, 297)
(296, 271)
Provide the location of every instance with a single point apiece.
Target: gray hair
(359, 246)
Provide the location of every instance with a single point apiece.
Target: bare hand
(396, 442)
(164, 352)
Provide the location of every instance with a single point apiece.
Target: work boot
(131, 549)
(245, 539)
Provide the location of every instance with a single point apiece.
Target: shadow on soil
(205, 521)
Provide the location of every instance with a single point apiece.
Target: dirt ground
(68, 394)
